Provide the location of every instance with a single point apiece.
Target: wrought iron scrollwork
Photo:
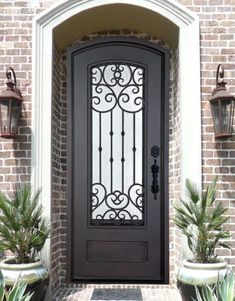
(155, 171)
(117, 207)
(112, 84)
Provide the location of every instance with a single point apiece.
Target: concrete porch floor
(148, 294)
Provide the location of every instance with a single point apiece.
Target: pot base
(39, 289)
(187, 291)
(34, 274)
(198, 274)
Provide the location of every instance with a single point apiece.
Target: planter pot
(35, 274)
(191, 274)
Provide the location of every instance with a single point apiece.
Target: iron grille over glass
(117, 101)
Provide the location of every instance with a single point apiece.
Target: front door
(118, 166)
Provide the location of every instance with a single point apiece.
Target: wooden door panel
(117, 251)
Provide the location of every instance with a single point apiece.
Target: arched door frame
(189, 86)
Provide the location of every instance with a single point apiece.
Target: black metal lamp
(222, 106)
(10, 106)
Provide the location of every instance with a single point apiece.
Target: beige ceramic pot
(191, 274)
(35, 274)
(28, 272)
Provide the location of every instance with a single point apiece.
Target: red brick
(21, 3)
(212, 37)
(228, 178)
(212, 162)
(222, 170)
(6, 4)
(216, 2)
(228, 145)
(227, 37)
(10, 162)
(5, 154)
(229, 2)
(11, 178)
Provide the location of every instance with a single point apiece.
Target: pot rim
(22, 266)
(205, 266)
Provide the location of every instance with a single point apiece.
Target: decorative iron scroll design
(117, 102)
(120, 207)
(115, 84)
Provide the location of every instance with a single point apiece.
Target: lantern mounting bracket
(219, 74)
(12, 85)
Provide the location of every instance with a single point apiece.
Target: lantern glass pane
(215, 114)
(4, 116)
(226, 113)
(15, 115)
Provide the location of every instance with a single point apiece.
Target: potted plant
(222, 291)
(23, 232)
(201, 219)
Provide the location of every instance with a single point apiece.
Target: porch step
(86, 294)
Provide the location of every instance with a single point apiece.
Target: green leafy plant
(201, 218)
(23, 229)
(16, 293)
(222, 291)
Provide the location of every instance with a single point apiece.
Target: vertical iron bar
(123, 160)
(134, 148)
(111, 151)
(100, 147)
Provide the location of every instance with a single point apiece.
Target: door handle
(155, 171)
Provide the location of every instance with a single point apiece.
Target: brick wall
(15, 50)
(217, 33)
(57, 205)
(174, 164)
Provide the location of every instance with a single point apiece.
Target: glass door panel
(117, 100)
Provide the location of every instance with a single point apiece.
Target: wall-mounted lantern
(10, 106)
(222, 107)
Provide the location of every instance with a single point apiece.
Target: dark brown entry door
(118, 127)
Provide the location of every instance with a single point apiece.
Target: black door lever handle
(155, 171)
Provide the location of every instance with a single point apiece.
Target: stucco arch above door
(179, 28)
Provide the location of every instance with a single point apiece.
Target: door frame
(164, 143)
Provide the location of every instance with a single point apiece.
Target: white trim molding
(189, 85)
